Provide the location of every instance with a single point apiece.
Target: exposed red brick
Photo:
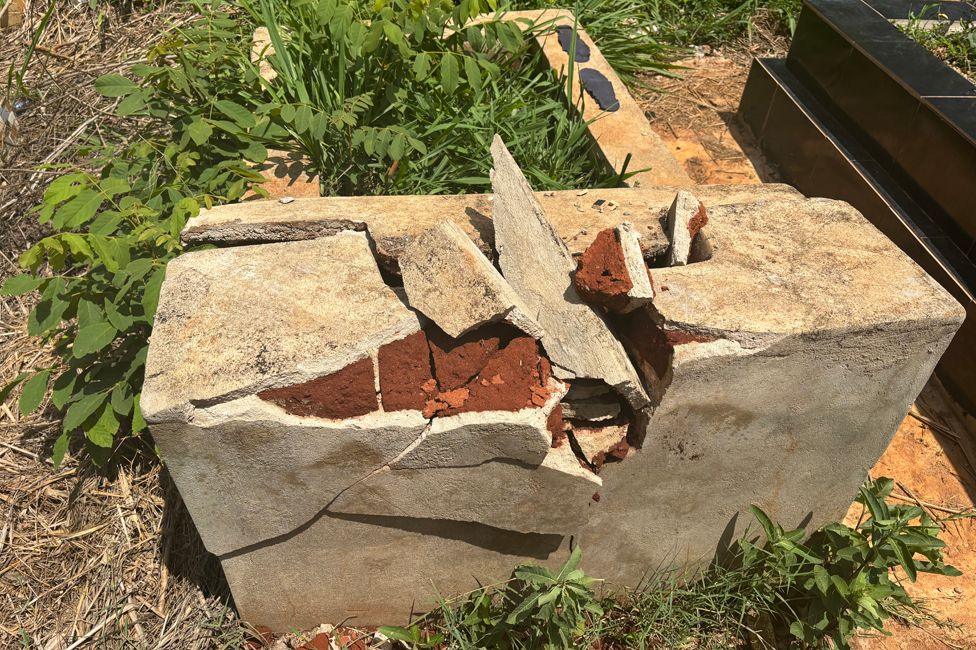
(348, 393)
(699, 221)
(319, 642)
(554, 423)
(451, 400)
(457, 361)
(681, 337)
(406, 380)
(601, 276)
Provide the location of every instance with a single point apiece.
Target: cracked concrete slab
(549, 498)
(393, 221)
(257, 472)
(452, 283)
(233, 321)
(685, 219)
(537, 264)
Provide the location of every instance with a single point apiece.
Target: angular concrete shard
(592, 409)
(537, 264)
(602, 444)
(685, 219)
(235, 321)
(612, 273)
(258, 473)
(451, 282)
(550, 498)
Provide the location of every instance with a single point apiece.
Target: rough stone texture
(612, 272)
(620, 133)
(347, 393)
(685, 219)
(393, 221)
(451, 282)
(598, 443)
(537, 264)
(234, 321)
(796, 350)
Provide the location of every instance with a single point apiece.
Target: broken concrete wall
(776, 371)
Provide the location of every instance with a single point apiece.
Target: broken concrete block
(537, 264)
(602, 444)
(235, 321)
(451, 282)
(612, 272)
(685, 219)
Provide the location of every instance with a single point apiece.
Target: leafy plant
(957, 47)
(371, 95)
(841, 578)
(536, 608)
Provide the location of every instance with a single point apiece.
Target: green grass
(957, 48)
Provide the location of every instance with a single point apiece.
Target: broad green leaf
(60, 448)
(473, 72)
(199, 131)
(449, 72)
(115, 85)
(79, 411)
(64, 388)
(421, 66)
(131, 105)
(20, 284)
(88, 313)
(150, 298)
(34, 390)
(78, 210)
(240, 115)
(119, 321)
(77, 245)
(93, 338)
(102, 433)
(64, 187)
(138, 423)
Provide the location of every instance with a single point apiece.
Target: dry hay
(58, 108)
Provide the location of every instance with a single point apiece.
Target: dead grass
(57, 107)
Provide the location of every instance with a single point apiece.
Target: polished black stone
(599, 88)
(959, 111)
(565, 35)
(855, 20)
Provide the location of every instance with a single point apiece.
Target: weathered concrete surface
(620, 133)
(537, 264)
(451, 282)
(797, 348)
(393, 221)
(234, 321)
(592, 409)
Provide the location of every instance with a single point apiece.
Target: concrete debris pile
(360, 417)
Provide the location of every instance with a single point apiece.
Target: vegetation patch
(957, 47)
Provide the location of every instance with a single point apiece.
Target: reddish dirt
(405, 373)
(319, 642)
(348, 393)
(601, 277)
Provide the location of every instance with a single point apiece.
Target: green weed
(957, 48)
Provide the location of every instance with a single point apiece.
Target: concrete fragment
(685, 219)
(612, 272)
(587, 388)
(602, 444)
(235, 321)
(593, 409)
(537, 264)
(451, 282)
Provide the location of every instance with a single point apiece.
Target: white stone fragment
(451, 282)
(536, 262)
(680, 214)
(643, 291)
